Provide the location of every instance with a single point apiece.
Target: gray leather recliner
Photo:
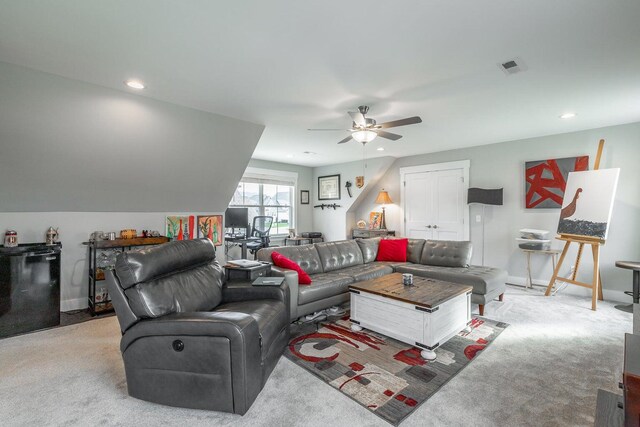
(189, 339)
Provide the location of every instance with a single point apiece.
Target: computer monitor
(236, 218)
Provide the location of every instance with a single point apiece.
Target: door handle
(435, 226)
(428, 226)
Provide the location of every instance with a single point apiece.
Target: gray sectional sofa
(333, 266)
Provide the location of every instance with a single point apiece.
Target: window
(275, 200)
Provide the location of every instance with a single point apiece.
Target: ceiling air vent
(512, 66)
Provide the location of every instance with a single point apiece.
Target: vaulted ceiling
(293, 65)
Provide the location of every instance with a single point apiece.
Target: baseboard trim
(73, 304)
(608, 294)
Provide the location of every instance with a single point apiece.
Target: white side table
(552, 252)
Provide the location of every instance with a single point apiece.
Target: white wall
(337, 224)
(502, 165)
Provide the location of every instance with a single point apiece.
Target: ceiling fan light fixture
(364, 136)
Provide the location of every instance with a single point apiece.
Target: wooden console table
(96, 274)
(362, 233)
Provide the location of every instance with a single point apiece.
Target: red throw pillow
(393, 250)
(284, 262)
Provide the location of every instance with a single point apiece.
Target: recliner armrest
(239, 327)
(291, 279)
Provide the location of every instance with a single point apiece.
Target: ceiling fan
(365, 129)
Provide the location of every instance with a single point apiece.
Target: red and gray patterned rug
(386, 376)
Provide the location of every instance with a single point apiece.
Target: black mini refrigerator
(29, 288)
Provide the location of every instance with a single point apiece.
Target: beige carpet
(544, 370)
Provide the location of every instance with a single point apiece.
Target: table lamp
(383, 199)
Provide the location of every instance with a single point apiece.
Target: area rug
(386, 376)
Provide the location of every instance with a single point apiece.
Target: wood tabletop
(425, 292)
(120, 243)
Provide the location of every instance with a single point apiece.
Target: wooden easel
(596, 284)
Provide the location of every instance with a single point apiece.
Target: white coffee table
(425, 315)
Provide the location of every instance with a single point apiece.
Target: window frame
(262, 206)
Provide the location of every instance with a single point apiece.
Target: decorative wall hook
(348, 185)
(331, 206)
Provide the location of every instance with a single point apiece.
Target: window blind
(268, 179)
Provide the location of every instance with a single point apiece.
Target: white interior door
(417, 189)
(434, 201)
(447, 208)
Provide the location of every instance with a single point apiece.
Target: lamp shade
(364, 136)
(485, 196)
(383, 198)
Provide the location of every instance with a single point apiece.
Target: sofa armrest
(244, 291)
(291, 279)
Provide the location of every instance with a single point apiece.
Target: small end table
(553, 252)
(635, 293)
(234, 272)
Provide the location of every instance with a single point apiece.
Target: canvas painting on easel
(588, 203)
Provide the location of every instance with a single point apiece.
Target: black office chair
(260, 229)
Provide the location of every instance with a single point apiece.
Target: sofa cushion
(338, 255)
(369, 248)
(175, 277)
(392, 250)
(282, 261)
(414, 250)
(367, 271)
(484, 280)
(306, 256)
(324, 285)
(446, 253)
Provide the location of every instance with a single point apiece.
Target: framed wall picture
(304, 197)
(329, 187)
(546, 180)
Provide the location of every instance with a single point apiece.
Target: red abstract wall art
(546, 180)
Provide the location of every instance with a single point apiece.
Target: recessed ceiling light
(309, 152)
(568, 115)
(381, 149)
(289, 156)
(134, 84)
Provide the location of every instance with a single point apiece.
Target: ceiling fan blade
(388, 135)
(348, 130)
(358, 118)
(347, 139)
(401, 122)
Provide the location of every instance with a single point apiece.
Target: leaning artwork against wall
(545, 180)
(178, 227)
(375, 219)
(210, 226)
(588, 203)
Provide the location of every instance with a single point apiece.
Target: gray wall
(502, 165)
(72, 146)
(83, 158)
